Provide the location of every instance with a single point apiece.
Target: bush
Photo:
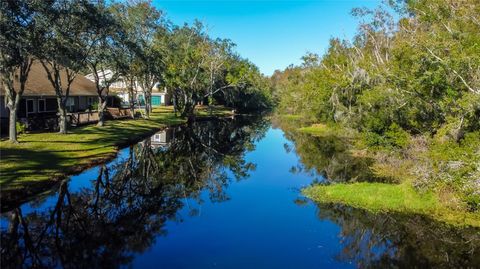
(457, 166)
(21, 127)
(393, 138)
(397, 137)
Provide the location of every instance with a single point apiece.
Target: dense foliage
(409, 82)
(205, 70)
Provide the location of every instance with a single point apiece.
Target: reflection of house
(161, 139)
(119, 88)
(39, 98)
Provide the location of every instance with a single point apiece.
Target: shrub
(457, 165)
(397, 137)
(21, 127)
(393, 138)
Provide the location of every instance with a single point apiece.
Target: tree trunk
(102, 104)
(12, 99)
(132, 110)
(12, 125)
(132, 102)
(148, 104)
(13, 102)
(62, 119)
(147, 111)
(189, 112)
(210, 108)
(175, 104)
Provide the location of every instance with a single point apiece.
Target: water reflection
(119, 214)
(162, 139)
(127, 205)
(371, 240)
(327, 156)
(401, 241)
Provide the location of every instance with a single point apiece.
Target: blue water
(219, 195)
(260, 226)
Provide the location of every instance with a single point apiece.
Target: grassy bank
(323, 130)
(381, 197)
(397, 194)
(46, 157)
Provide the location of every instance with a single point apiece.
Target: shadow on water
(125, 206)
(401, 241)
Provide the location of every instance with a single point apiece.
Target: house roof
(119, 86)
(39, 85)
(107, 74)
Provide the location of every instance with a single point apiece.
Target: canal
(222, 194)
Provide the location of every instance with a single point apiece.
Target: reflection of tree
(400, 241)
(127, 205)
(329, 156)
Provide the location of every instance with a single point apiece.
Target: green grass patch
(325, 130)
(381, 197)
(291, 116)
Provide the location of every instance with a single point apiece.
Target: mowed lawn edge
(44, 157)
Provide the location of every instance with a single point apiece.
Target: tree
(18, 41)
(126, 63)
(243, 87)
(219, 57)
(151, 29)
(142, 63)
(102, 61)
(65, 47)
(203, 69)
(149, 76)
(186, 74)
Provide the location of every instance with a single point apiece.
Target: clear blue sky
(271, 34)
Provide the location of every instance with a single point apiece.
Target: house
(39, 99)
(119, 88)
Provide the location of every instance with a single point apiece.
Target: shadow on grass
(32, 163)
(38, 172)
(41, 160)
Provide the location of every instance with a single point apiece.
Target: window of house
(41, 105)
(70, 104)
(50, 105)
(30, 106)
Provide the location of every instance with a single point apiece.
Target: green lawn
(41, 157)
